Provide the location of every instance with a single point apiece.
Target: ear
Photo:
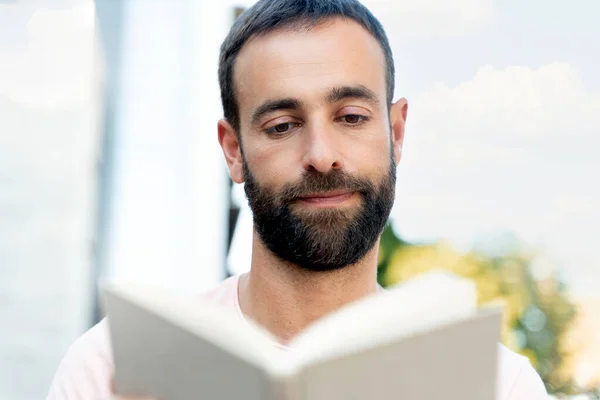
(231, 150)
(398, 113)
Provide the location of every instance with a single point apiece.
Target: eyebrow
(270, 106)
(336, 94)
(361, 92)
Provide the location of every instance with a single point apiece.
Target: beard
(321, 239)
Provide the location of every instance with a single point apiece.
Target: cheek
(272, 166)
(373, 156)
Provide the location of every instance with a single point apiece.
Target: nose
(322, 150)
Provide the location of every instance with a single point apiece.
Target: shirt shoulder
(225, 294)
(517, 379)
(85, 371)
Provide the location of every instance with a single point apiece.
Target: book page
(173, 347)
(457, 361)
(417, 306)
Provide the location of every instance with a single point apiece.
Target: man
(311, 128)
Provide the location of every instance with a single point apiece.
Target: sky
(504, 120)
(503, 123)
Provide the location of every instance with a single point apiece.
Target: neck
(285, 298)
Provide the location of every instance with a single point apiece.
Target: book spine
(286, 388)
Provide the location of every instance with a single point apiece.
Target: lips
(326, 198)
(326, 195)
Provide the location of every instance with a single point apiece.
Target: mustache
(317, 182)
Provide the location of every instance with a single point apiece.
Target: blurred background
(110, 167)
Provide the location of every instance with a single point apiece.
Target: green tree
(538, 312)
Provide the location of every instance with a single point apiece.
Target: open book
(422, 340)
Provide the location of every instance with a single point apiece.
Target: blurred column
(164, 211)
(48, 148)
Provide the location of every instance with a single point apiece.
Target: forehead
(306, 63)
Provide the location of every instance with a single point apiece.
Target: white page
(454, 362)
(174, 348)
(418, 305)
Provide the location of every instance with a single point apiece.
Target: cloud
(575, 205)
(516, 119)
(509, 150)
(409, 18)
(54, 66)
(515, 105)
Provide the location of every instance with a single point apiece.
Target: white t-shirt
(86, 371)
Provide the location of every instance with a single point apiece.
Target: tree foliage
(538, 312)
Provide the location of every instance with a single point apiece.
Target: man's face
(318, 146)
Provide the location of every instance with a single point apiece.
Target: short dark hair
(269, 15)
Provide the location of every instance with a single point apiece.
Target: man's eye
(282, 128)
(354, 119)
